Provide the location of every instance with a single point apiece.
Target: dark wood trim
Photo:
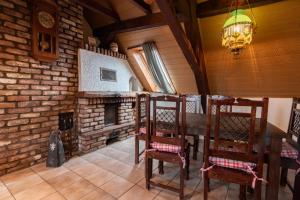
(144, 22)
(107, 33)
(211, 8)
(96, 7)
(193, 34)
(142, 6)
(183, 43)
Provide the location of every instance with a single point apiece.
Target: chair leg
(150, 168)
(242, 192)
(257, 190)
(181, 194)
(161, 167)
(136, 150)
(187, 167)
(283, 176)
(195, 147)
(206, 185)
(147, 172)
(296, 193)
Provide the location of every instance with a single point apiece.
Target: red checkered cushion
(165, 147)
(233, 164)
(288, 151)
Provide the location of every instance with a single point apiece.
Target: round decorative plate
(46, 19)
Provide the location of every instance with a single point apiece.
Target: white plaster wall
(89, 64)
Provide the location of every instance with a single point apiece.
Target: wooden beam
(142, 6)
(211, 8)
(144, 22)
(107, 33)
(193, 33)
(98, 8)
(184, 44)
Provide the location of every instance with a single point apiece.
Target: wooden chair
(140, 124)
(193, 105)
(291, 147)
(229, 156)
(167, 140)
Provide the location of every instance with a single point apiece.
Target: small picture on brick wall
(108, 75)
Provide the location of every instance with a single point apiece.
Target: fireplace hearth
(103, 118)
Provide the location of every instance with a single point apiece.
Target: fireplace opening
(110, 114)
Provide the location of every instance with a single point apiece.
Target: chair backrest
(232, 131)
(294, 124)
(224, 108)
(193, 104)
(140, 112)
(168, 123)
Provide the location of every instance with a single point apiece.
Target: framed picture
(108, 74)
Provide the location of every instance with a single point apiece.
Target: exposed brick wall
(92, 132)
(32, 93)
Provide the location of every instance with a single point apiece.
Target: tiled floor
(107, 174)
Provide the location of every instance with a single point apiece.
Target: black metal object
(110, 114)
(66, 126)
(65, 121)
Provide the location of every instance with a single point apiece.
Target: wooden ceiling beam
(107, 33)
(211, 8)
(146, 8)
(193, 33)
(96, 7)
(144, 22)
(184, 44)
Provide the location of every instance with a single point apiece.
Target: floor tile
(75, 162)
(110, 173)
(48, 172)
(117, 186)
(39, 191)
(19, 181)
(85, 170)
(101, 177)
(4, 192)
(54, 196)
(64, 180)
(136, 193)
(133, 174)
(98, 194)
(77, 190)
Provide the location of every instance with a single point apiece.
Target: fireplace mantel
(104, 94)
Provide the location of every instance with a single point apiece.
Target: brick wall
(32, 93)
(92, 132)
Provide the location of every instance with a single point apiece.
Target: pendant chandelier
(238, 30)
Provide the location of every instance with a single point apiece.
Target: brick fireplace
(94, 131)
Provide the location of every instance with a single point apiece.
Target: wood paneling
(126, 9)
(178, 68)
(268, 67)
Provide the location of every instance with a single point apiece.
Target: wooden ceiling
(109, 18)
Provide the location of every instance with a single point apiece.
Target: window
(155, 71)
(139, 57)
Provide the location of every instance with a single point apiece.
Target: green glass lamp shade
(237, 16)
(237, 31)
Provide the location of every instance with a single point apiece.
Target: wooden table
(273, 141)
